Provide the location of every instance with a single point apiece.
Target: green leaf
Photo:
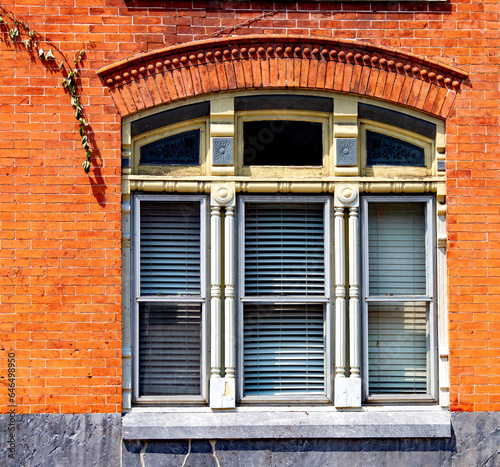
(1, 20)
(86, 166)
(49, 55)
(61, 66)
(41, 54)
(13, 33)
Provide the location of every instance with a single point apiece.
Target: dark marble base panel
(55, 440)
(95, 440)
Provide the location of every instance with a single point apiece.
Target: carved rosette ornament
(346, 152)
(223, 194)
(346, 195)
(222, 151)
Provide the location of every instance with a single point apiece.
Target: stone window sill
(266, 424)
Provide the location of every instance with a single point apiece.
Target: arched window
(283, 252)
(282, 207)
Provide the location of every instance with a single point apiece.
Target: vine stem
(20, 32)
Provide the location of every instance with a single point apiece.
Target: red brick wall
(60, 229)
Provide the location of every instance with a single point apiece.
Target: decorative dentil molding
(281, 62)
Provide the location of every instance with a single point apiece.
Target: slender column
(442, 303)
(126, 302)
(354, 320)
(215, 291)
(229, 303)
(223, 390)
(340, 293)
(347, 390)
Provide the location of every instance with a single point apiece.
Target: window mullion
(347, 373)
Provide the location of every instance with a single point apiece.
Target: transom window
(282, 142)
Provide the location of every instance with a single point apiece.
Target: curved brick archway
(281, 62)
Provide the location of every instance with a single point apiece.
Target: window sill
(267, 424)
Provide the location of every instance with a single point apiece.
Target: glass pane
(284, 249)
(284, 350)
(282, 142)
(386, 150)
(180, 149)
(169, 349)
(170, 248)
(398, 348)
(397, 252)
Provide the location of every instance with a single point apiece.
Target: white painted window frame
(430, 298)
(203, 299)
(327, 300)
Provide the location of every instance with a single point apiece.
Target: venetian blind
(284, 249)
(398, 347)
(170, 248)
(397, 253)
(169, 349)
(284, 349)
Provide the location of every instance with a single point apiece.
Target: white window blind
(397, 249)
(397, 297)
(170, 248)
(284, 249)
(284, 349)
(397, 343)
(169, 349)
(284, 301)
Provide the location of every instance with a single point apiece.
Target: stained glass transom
(180, 149)
(386, 150)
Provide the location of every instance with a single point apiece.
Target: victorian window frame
(330, 183)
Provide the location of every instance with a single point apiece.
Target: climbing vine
(18, 33)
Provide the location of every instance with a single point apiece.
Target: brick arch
(281, 62)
